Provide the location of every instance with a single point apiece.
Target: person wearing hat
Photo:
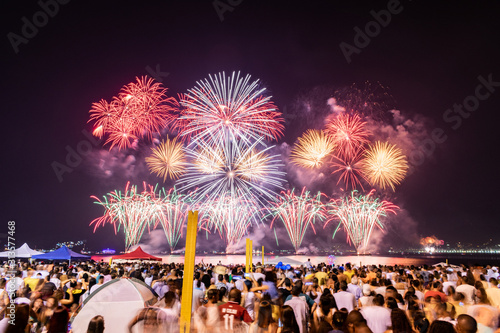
(367, 298)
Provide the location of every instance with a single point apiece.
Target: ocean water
(297, 260)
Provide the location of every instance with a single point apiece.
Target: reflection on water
(296, 260)
(300, 259)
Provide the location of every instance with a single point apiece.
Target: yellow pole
(247, 257)
(187, 283)
(262, 255)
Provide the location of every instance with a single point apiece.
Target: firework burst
(232, 167)
(140, 109)
(312, 149)
(384, 165)
(359, 215)
(349, 134)
(297, 212)
(349, 170)
(175, 210)
(233, 107)
(231, 215)
(167, 159)
(131, 210)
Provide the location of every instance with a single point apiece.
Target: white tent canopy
(118, 301)
(22, 252)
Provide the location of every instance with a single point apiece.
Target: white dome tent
(22, 252)
(118, 301)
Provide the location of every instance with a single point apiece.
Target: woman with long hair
(21, 321)
(288, 321)
(58, 323)
(481, 297)
(440, 326)
(400, 322)
(96, 325)
(264, 322)
(323, 313)
(248, 298)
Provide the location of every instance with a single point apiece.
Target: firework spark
(140, 109)
(231, 215)
(131, 210)
(349, 170)
(349, 134)
(384, 165)
(312, 149)
(370, 99)
(175, 209)
(235, 167)
(359, 215)
(167, 159)
(232, 107)
(297, 212)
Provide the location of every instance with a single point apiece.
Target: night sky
(429, 55)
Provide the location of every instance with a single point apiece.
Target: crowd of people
(305, 298)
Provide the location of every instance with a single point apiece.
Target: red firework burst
(140, 109)
(349, 170)
(349, 133)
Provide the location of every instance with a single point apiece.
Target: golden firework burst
(167, 159)
(384, 165)
(311, 149)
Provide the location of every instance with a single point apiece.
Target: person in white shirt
(97, 285)
(345, 299)
(248, 298)
(300, 309)
(466, 289)
(377, 316)
(198, 296)
(16, 283)
(447, 284)
(197, 277)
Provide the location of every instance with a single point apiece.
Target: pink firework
(349, 133)
(140, 109)
(349, 170)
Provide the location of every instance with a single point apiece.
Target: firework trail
(131, 210)
(175, 209)
(167, 159)
(384, 165)
(349, 134)
(349, 170)
(230, 214)
(312, 149)
(140, 109)
(232, 167)
(228, 108)
(359, 214)
(297, 212)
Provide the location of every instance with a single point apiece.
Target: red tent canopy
(136, 254)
